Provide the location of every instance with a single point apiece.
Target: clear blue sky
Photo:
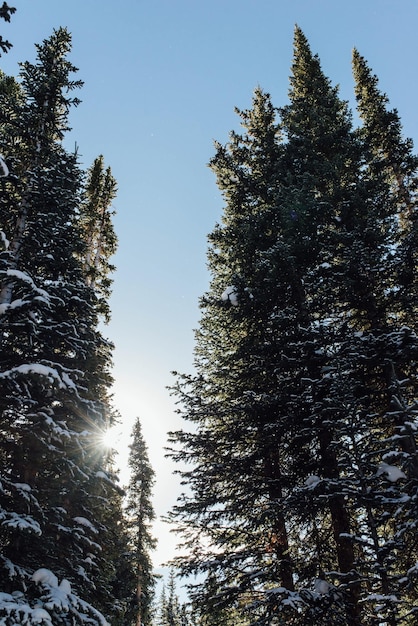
(162, 78)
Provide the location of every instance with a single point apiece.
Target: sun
(110, 437)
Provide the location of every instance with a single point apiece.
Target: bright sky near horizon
(162, 78)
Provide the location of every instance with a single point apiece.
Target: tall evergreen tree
(140, 514)
(173, 604)
(55, 364)
(386, 257)
(232, 399)
(323, 164)
(98, 232)
(296, 480)
(161, 608)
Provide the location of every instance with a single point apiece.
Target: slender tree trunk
(340, 519)
(281, 548)
(139, 604)
(279, 541)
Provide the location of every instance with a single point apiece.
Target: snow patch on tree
(24, 277)
(311, 481)
(4, 170)
(45, 576)
(14, 612)
(392, 472)
(22, 486)
(230, 294)
(20, 521)
(86, 523)
(4, 241)
(63, 381)
(321, 586)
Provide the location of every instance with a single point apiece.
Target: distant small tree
(173, 604)
(170, 610)
(140, 514)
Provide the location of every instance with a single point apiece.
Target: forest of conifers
(299, 451)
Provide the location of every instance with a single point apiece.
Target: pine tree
(161, 609)
(55, 364)
(237, 478)
(98, 232)
(185, 617)
(323, 162)
(170, 611)
(140, 514)
(116, 574)
(301, 439)
(266, 347)
(173, 605)
(386, 353)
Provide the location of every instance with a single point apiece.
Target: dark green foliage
(301, 442)
(98, 234)
(170, 611)
(5, 13)
(58, 506)
(140, 514)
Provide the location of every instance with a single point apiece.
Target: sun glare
(111, 436)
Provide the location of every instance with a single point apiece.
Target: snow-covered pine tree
(323, 164)
(260, 354)
(300, 437)
(371, 414)
(378, 252)
(55, 364)
(115, 576)
(234, 514)
(114, 573)
(140, 514)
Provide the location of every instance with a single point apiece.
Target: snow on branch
(52, 375)
(58, 599)
(4, 242)
(4, 170)
(22, 276)
(21, 521)
(392, 472)
(230, 294)
(14, 611)
(83, 521)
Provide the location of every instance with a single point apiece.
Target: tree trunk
(279, 542)
(341, 530)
